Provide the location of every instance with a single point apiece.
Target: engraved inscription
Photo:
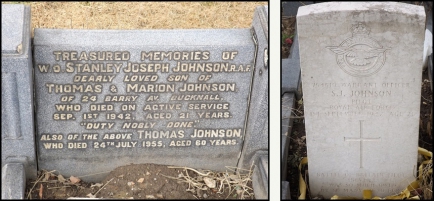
(144, 99)
(362, 99)
(357, 182)
(360, 55)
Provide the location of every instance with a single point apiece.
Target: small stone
(150, 197)
(74, 180)
(96, 185)
(211, 183)
(130, 183)
(199, 193)
(239, 191)
(141, 180)
(205, 196)
(61, 178)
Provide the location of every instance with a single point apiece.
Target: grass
(141, 15)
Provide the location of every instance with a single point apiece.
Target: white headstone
(361, 67)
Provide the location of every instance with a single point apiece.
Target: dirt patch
(145, 181)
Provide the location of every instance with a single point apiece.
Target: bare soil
(141, 181)
(297, 147)
(159, 181)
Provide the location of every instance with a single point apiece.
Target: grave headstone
(260, 178)
(256, 139)
(18, 157)
(430, 70)
(286, 193)
(13, 181)
(107, 98)
(427, 47)
(286, 128)
(17, 90)
(290, 8)
(361, 68)
(291, 82)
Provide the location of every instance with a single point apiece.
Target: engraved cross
(361, 139)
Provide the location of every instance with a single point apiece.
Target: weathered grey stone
(17, 90)
(205, 131)
(291, 81)
(256, 139)
(430, 69)
(13, 181)
(13, 25)
(429, 19)
(427, 47)
(290, 7)
(260, 178)
(361, 67)
(286, 193)
(286, 123)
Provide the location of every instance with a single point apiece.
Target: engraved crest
(360, 55)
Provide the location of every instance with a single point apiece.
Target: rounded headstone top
(361, 6)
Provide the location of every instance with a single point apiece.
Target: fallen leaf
(40, 192)
(160, 196)
(300, 102)
(234, 177)
(46, 176)
(141, 180)
(199, 193)
(130, 183)
(239, 191)
(90, 195)
(74, 180)
(122, 176)
(147, 173)
(61, 178)
(150, 197)
(96, 185)
(211, 183)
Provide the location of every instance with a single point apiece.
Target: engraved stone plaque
(361, 68)
(106, 98)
